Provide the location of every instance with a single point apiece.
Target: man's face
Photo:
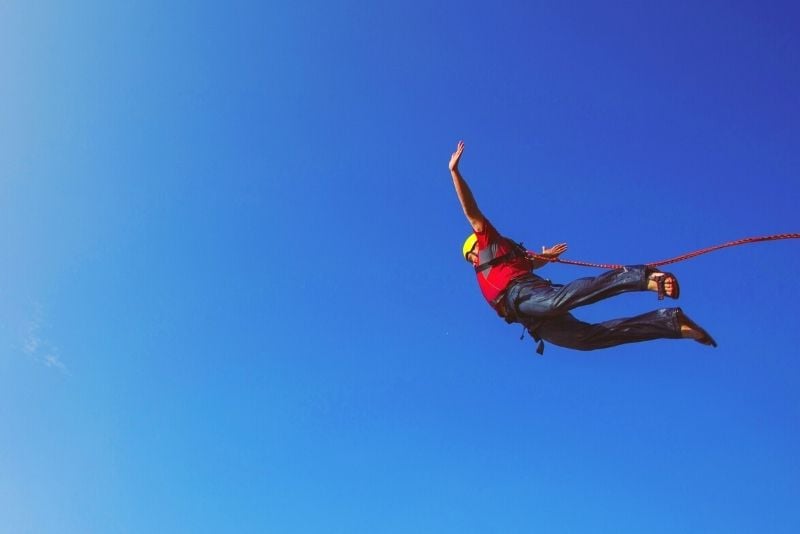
(472, 255)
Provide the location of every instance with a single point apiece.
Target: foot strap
(661, 288)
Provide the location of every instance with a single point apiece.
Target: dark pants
(544, 310)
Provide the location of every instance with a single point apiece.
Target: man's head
(470, 249)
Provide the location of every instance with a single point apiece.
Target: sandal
(705, 338)
(661, 280)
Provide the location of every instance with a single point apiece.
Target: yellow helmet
(468, 244)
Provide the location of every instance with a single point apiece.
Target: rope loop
(669, 261)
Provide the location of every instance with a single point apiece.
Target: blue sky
(233, 299)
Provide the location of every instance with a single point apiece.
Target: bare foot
(687, 331)
(692, 330)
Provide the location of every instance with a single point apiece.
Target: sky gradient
(233, 298)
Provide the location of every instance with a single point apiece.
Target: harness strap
(539, 341)
(517, 251)
(495, 261)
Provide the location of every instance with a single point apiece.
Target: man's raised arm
(468, 204)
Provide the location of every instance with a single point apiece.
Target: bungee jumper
(505, 277)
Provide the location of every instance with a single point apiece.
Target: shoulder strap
(517, 251)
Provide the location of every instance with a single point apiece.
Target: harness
(517, 250)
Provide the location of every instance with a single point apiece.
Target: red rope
(671, 260)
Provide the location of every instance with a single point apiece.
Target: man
(519, 296)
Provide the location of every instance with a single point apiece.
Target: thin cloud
(39, 349)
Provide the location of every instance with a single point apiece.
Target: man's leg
(567, 331)
(550, 301)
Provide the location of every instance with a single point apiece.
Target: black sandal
(705, 338)
(661, 285)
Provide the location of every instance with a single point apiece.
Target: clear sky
(233, 299)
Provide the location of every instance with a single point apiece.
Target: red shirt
(494, 280)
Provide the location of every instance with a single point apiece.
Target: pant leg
(567, 331)
(549, 301)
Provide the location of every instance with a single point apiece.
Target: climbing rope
(676, 259)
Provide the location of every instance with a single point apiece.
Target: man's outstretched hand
(456, 157)
(555, 251)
